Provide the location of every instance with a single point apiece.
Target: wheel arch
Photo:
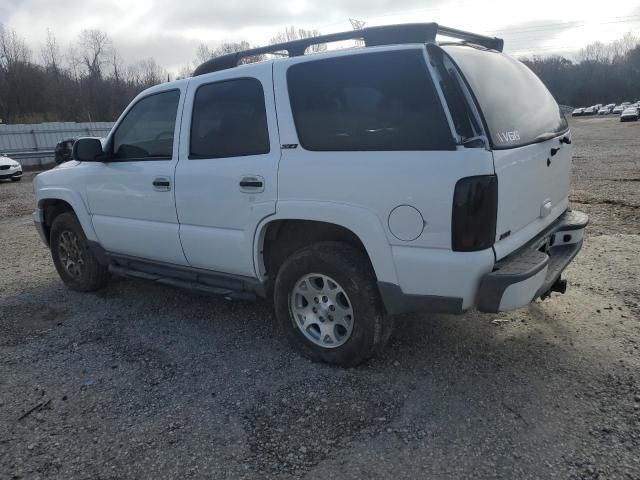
(53, 202)
(323, 221)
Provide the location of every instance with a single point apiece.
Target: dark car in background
(629, 114)
(63, 150)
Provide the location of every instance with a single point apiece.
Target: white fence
(33, 144)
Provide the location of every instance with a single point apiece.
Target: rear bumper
(530, 272)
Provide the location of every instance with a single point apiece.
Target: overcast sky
(170, 30)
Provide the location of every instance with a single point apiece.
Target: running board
(184, 284)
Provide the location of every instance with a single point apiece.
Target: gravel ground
(143, 381)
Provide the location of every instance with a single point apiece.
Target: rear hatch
(529, 138)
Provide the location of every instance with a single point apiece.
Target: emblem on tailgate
(508, 137)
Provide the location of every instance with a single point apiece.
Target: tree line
(602, 73)
(89, 81)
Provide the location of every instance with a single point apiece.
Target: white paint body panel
(379, 181)
(525, 184)
(426, 271)
(218, 220)
(129, 215)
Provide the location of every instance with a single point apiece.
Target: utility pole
(358, 25)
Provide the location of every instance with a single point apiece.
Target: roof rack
(372, 36)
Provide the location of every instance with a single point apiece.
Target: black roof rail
(372, 36)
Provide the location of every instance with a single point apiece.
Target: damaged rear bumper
(534, 270)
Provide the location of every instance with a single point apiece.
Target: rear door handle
(162, 184)
(252, 184)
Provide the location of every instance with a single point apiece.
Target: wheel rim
(71, 255)
(321, 310)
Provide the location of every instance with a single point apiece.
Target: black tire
(352, 271)
(91, 274)
(16, 179)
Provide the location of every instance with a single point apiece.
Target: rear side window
(229, 120)
(516, 105)
(374, 101)
(146, 132)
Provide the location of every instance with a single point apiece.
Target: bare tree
(596, 52)
(619, 48)
(204, 53)
(13, 49)
(50, 53)
(94, 48)
(146, 73)
(117, 66)
(185, 71)
(292, 33)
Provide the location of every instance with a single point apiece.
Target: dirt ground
(143, 381)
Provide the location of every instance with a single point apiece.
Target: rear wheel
(328, 305)
(77, 266)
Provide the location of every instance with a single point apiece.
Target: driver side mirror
(88, 149)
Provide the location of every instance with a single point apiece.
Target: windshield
(517, 107)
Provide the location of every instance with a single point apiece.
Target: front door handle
(252, 184)
(162, 184)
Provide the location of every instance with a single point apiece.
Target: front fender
(74, 199)
(362, 222)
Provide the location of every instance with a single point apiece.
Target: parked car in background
(590, 111)
(629, 114)
(10, 168)
(603, 111)
(63, 150)
(578, 112)
(618, 110)
(611, 106)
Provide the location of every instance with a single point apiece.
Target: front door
(131, 196)
(226, 177)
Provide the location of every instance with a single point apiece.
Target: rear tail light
(475, 208)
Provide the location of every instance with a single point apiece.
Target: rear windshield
(516, 105)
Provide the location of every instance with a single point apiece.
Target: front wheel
(328, 305)
(77, 266)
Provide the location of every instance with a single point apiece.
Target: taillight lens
(475, 208)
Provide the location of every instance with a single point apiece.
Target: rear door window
(229, 120)
(368, 102)
(517, 107)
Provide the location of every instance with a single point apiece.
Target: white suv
(347, 186)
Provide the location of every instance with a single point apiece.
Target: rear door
(226, 177)
(528, 135)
